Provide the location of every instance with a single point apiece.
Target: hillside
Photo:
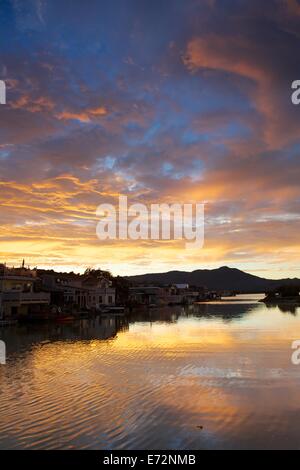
(223, 278)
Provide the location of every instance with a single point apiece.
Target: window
(110, 299)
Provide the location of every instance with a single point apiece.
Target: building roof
(181, 286)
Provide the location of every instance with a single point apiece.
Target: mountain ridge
(223, 278)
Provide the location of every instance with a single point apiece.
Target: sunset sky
(162, 101)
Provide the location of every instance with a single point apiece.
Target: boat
(281, 301)
(113, 309)
(65, 318)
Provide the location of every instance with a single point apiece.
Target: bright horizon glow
(120, 270)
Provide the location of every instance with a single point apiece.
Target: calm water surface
(152, 382)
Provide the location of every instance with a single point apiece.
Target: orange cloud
(293, 7)
(209, 52)
(85, 116)
(52, 222)
(33, 105)
(239, 56)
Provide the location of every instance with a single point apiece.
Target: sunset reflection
(171, 378)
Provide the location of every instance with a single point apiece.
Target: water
(211, 376)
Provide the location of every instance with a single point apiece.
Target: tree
(98, 273)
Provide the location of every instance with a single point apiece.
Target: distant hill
(223, 278)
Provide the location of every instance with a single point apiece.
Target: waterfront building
(18, 292)
(78, 291)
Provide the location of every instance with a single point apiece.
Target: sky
(163, 102)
